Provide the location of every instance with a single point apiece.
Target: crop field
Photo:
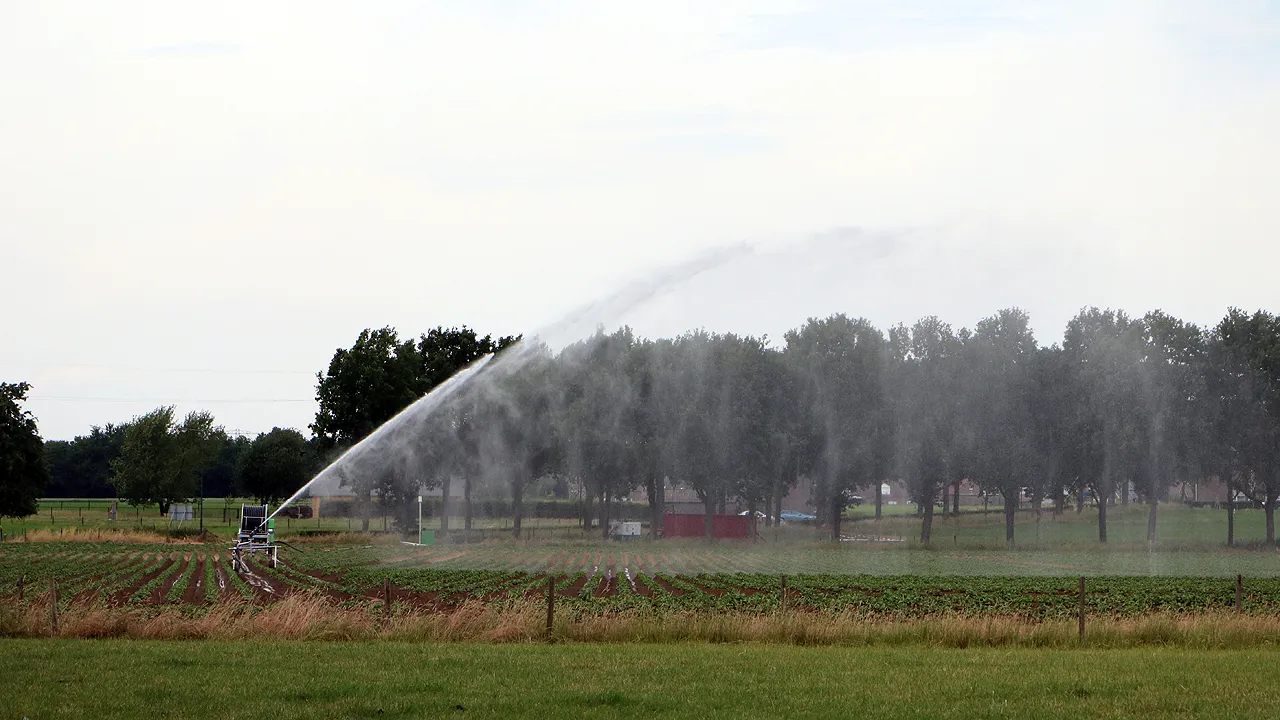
(650, 578)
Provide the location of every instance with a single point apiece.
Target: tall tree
(81, 468)
(1170, 385)
(841, 363)
(1250, 353)
(1056, 430)
(219, 478)
(927, 385)
(1104, 346)
(23, 474)
(274, 465)
(381, 375)
(161, 461)
(1001, 354)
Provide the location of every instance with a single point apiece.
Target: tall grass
(97, 535)
(310, 616)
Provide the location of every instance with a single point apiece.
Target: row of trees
(163, 461)
(153, 458)
(1120, 405)
(157, 458)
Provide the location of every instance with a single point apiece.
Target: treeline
(155, 458)
(1120, 405)
(159, 458)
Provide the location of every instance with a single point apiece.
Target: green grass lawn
(150, 679)
(220, 519)
(1176, 524)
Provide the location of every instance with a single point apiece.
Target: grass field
(146, 679)
(1179, 526)
(220, 518)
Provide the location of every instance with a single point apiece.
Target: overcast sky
(199, 202)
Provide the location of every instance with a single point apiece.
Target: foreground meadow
(149, 679)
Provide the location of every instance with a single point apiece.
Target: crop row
(162, 573)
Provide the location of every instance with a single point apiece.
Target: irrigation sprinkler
(257, 534)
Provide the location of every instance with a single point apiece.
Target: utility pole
(419, 518)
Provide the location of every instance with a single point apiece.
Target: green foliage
(23, 474)
(380, 375)
(275, 465)
(842, 368)
(81, 468)
(160, 461)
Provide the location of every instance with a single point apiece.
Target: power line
(74, 398)
(134, 368)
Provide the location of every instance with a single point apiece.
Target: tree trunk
(1106, 486)
(1231, 512)
(1080, 499)
(1124, 495)
(820, 506)
(1102, 517)
(444, 504)
(1010, 509)
(1151, 520)
(751, 515)
(655, 506)
(768, 510)
(366, 505)
(777, 505)
(587, 516)
(606, 508)
(837, 509)
(879, 498)
(955, 497)
(1060, 503)
(517, 507)
(926, 526)
(708, 505)
(466, 503)
(1271, 520)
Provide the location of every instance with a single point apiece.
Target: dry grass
(346, 538)
(306, 616)
(97, 535)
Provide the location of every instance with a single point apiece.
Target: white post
(419, 518)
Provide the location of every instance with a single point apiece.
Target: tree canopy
(23, 474)
(275, 465)
(161, 461)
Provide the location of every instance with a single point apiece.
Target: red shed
(742, 527)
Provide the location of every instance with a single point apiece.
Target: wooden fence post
(53, 605)
(1081, 623)
(782, 602)
(551, 607)
(1239, 593)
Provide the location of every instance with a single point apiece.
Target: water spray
(261, 537)
(423, 405)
